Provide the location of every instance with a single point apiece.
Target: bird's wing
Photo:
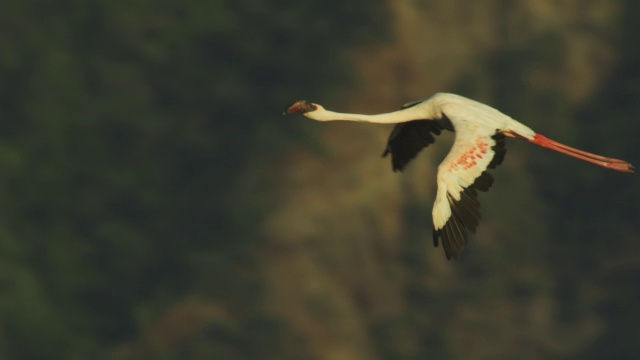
(460, 176)
(408, 138)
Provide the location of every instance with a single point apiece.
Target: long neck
(399, 116)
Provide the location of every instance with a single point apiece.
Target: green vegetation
(125, 126)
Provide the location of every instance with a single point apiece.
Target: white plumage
(479, 144)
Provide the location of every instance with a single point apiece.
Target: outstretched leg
(609, 163)
(543, 141)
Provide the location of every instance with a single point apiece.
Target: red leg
(609, 163)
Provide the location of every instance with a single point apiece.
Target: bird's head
(301, 106)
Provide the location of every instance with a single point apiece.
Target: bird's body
(479, 144)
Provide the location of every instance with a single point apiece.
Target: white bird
(479, 144)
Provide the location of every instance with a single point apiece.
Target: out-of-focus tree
(125, 127)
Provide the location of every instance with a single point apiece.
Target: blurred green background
(156, 205)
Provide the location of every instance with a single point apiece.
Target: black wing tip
(447, 251)
(396, 165)
(454, 238)
(437, 234)
(464, 219)
(409, 138)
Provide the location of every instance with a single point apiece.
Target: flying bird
(479, 144)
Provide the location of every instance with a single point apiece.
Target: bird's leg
(609, 163)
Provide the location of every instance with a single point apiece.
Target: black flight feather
(465, 213)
